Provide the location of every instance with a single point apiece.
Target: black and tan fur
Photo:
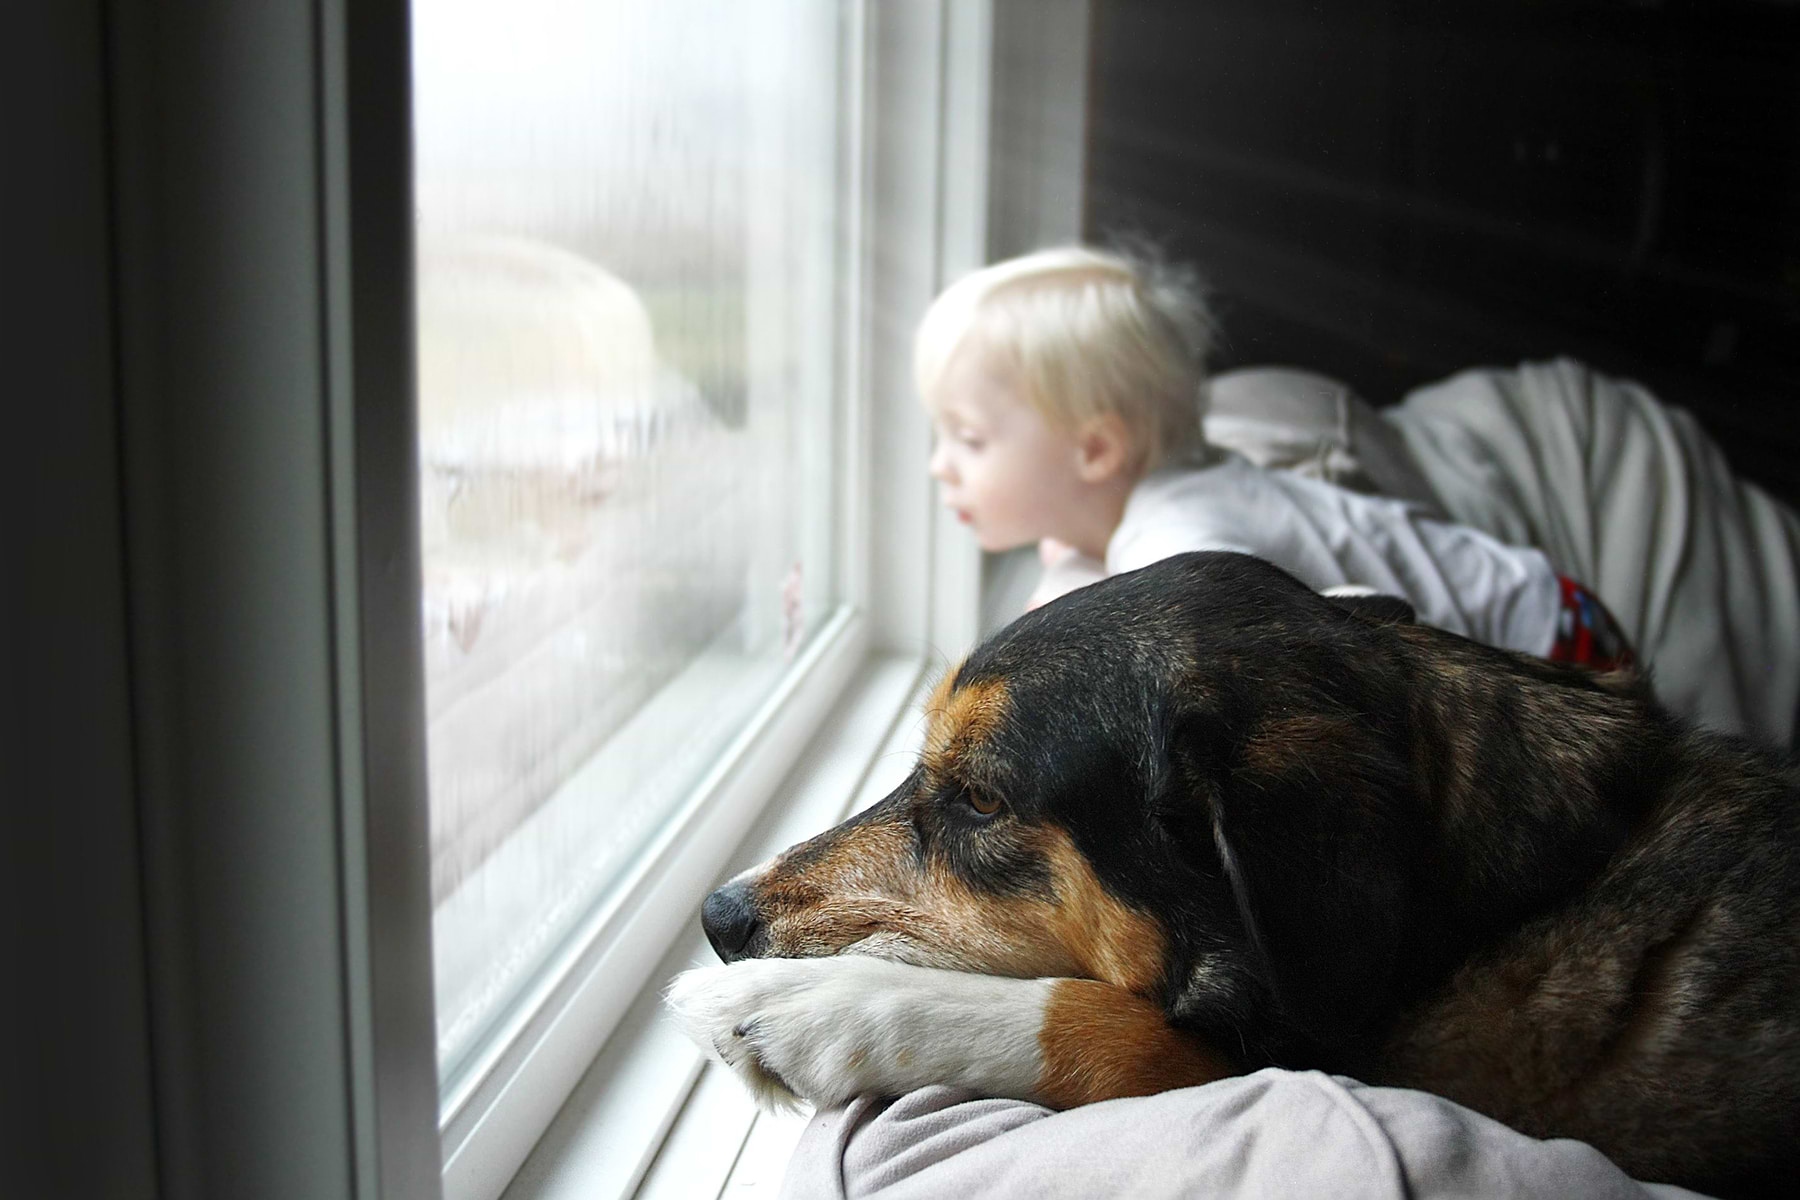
(1280, 829)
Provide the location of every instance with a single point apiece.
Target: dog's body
(1197, 820)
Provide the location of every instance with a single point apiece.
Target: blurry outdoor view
(630, 236)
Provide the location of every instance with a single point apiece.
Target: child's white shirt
(1456, 578)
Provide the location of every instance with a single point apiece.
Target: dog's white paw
(717, 1008)
(828, 1029)
(788, 1026)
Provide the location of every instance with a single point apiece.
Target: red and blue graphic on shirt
(1586, 633)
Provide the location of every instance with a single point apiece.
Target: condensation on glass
(629, 254)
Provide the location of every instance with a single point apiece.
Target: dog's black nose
(729, 918)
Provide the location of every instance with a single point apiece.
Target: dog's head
(1199, 781)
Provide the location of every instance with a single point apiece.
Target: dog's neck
(1537, 775)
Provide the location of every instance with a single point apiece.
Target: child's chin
(999, 545)
(994, 541)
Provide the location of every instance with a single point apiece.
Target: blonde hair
(1090, 333)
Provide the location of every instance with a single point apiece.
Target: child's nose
(940, 463)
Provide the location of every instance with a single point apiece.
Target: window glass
(630, 220)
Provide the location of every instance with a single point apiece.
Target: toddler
(1066, 389)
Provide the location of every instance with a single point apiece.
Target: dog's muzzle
(729, 918)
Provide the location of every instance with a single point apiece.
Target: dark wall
(1391, 190)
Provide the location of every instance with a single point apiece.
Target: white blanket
(1623, 493)
(1629, 496)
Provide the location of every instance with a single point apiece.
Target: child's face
(1005, 471)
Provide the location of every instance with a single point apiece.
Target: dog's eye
(981, 802)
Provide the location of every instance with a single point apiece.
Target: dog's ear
(1373, 606)
(1313, 829)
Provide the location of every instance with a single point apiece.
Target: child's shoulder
(1216, 505)
(1223, 491)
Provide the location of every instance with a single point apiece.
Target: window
(251, 197)
(672, 491)
(631, 253)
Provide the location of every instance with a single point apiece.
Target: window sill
(650, 1117)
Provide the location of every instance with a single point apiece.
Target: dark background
(1391, 190)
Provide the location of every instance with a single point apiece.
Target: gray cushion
(1274, 1133)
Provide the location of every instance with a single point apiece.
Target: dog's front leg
(828, 1029)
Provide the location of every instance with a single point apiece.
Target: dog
(1198, 819)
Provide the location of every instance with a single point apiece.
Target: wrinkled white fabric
(1624, 493)
(1632, 498)
(1315, 426)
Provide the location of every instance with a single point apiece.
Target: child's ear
(1103, 448)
